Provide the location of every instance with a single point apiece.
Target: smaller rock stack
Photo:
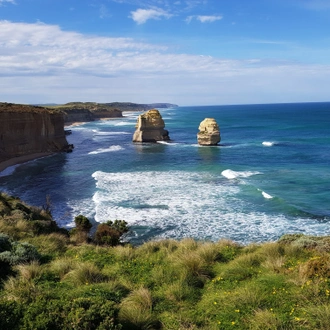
(209, 132)
(150, 128)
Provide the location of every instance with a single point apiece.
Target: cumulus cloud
(204, 18)
(42, 63)
(140, 16)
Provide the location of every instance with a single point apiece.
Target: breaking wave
(179, 204)
(103, 150)
(230, 174)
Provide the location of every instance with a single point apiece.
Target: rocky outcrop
(26, 130)
(150, 128)
(209, 132)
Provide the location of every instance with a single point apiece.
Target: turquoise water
(269, 176)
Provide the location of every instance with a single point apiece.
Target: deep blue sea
(269, 176)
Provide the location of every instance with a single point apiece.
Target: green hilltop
(52, 278)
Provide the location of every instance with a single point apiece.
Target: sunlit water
(269, 176)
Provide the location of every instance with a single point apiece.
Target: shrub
(80, 314)
(318, 266)
(5, 244)
(110, 233)
(106, 235)
(10, 314)
(20, 252)
(82, 223)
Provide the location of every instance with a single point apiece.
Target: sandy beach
(22, 159)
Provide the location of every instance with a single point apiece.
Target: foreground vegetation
(53, 279)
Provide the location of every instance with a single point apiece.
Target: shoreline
(22, 159)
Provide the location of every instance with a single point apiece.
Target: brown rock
(150, 128)
(209, 132)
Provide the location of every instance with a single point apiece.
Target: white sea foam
(168, 143)
(8, 171)
(103, 150)
(185, 204)
(267, 196)
(122, 123)
(268, 143)
(110, 133)
(230, 174)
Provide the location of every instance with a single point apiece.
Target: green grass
(164, 284)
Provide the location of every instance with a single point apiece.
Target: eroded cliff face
(150, 128)
(27, 130)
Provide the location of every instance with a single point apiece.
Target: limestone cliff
(209, 132)
(26, 130)
(150, 128)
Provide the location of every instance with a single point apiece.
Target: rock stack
(209, 132)
(150, 128)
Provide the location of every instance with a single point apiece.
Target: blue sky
(189, 52)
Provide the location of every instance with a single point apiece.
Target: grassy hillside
(52, 279)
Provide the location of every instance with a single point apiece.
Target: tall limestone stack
(26, 130)
(150, 128)
(209, 132)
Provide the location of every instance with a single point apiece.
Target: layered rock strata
(26, 130)
(209, 132)
(150, 128)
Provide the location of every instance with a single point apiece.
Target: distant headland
(90, 111)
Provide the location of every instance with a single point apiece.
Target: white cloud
(9, 1)
(208, 19)
(204, 18)
(140, 16)
(42, 63)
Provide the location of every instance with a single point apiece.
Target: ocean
(269, 176)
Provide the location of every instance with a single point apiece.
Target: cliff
(27, 130)
(150, 128)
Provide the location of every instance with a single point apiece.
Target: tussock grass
(192, 266)
(124, 252)
(188, 244)
(29, 271)
(178, 291)
(315, 317)
(136, 311)
(243, 267)
(63, 266)
(21, 290)
(54, 243)
(264, 320)
(84, 274)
